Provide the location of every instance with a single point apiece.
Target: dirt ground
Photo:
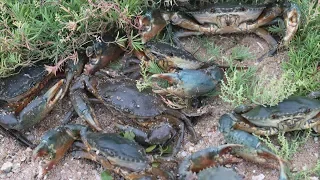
(24, 167)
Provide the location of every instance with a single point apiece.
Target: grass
(53, 30)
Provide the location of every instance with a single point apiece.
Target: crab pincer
(190, 83)
(32, 114)
(206, 158)
(56, 143)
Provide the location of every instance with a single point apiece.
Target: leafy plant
(105, 175)
(267, 89)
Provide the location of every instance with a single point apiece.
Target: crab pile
(147, 114)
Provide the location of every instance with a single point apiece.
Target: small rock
(183, 154)
(316, 139)
(191, 148)
(259, 177)
(16, 167)
(314, 178)
(2, 176)
(6, 167)
(9, 174)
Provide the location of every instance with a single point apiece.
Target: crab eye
(274, 116)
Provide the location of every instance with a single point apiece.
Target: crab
(20, 109)
(293, 113)
(111, 150)
(206, 163)
(225, 19)
(121, 96)
(190, 83)
(169, 58)
(103, 51)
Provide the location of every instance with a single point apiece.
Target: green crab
(121, 96)
(109, 149)
(19, 109)
(293, 113)
(224, 19)
(205, 164)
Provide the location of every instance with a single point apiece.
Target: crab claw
(153, 22)
(74, 69)
(81, 104)
(209, 157)
(190, 83)
(56, 143)
(101, 54)
(37, 109)
(292, 21)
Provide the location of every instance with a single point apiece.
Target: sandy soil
(24, 167)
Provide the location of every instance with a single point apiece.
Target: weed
(240, 53)
(212, 50)
(270, 90)
(287, 147)
(236, 88)
(33, 31)
(146, 69)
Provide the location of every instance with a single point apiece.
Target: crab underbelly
(229, 30)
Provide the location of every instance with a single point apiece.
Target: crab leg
(187, 121)
(269, 39)
(74, 69)
(16, 134)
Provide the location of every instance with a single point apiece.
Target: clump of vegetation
(237, 86)
(241, 53)
(53, 30)
(287, 146)
(147, 69)
(269, 89)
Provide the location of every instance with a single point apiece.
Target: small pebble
(316, 139)
(314, 178)
(191, 148)
(16, 167)
(259, 177)
(183, 154)
(6, 167)
(9, 174)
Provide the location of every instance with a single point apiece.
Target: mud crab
(121, 96)
(20, 109)
(109, 149)
(224, 19)
(294, 113)
(205, 164)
